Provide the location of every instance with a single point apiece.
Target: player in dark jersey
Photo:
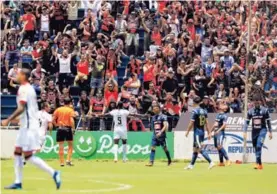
(219, 134)
(199, 123)
(159, 125)
(260, 119)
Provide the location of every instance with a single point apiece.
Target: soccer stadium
(138, 96)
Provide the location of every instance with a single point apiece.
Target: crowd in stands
(140, 53)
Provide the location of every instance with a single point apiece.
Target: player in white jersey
(45, 122)
(120, 116)
(28, 135)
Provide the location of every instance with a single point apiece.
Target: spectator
(133, 84)
(185, 49)
(82, 70)
(26, 54)
(134, 124)
(110, 91)
(170, 85)
(29, 23)
(84, 103)
(96, 108)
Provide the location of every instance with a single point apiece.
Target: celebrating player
(63, 119)
(199, 123)
(160, 126)
(28, 138)
(45, 122)
(260, 118)
(120, 129)
(219, 134)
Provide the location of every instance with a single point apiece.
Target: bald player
(28, 138)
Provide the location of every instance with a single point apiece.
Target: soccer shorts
(219, 139)
(258, 137)
(28, 140)
(198, 138)
(64, 134)
(120, 134)
(158, 142)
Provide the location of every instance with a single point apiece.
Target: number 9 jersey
(120, 119)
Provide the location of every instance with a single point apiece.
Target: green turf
(135, 178)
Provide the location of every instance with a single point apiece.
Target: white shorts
(28, 140)
(120, 134)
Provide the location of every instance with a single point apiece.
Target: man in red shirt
(82, 69)
(29, 23)
(111, 91)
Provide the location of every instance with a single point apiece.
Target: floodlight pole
(247, 76)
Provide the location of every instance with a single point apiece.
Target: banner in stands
(233, 145)
(235, 121)
(99, 145)
(233, 141)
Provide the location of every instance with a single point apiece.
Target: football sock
(124, 151)
(18, 167)
(224, 153)
(152, 155)
(41, 164)
(220, 154)
(194, 157)
(115, 151)
(205, 155)
(259, 155)
(167, 155)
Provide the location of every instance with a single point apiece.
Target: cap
(206, 97)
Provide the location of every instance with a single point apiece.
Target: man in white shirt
(45, 122)
(28, 135)
(120, 129)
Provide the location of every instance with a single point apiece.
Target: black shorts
(64, 134)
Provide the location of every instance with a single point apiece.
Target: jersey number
(202, 120)
(119, 121)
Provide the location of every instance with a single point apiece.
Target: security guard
(63, 119)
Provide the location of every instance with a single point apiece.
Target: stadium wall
(233, 141)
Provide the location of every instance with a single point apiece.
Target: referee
(63, 119)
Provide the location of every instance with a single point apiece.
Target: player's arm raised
(20, 109)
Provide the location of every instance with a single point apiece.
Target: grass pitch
(135, 178)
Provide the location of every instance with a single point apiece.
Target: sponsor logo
(234, 145)
(84, 144)
(106, 147)
(236, 123)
